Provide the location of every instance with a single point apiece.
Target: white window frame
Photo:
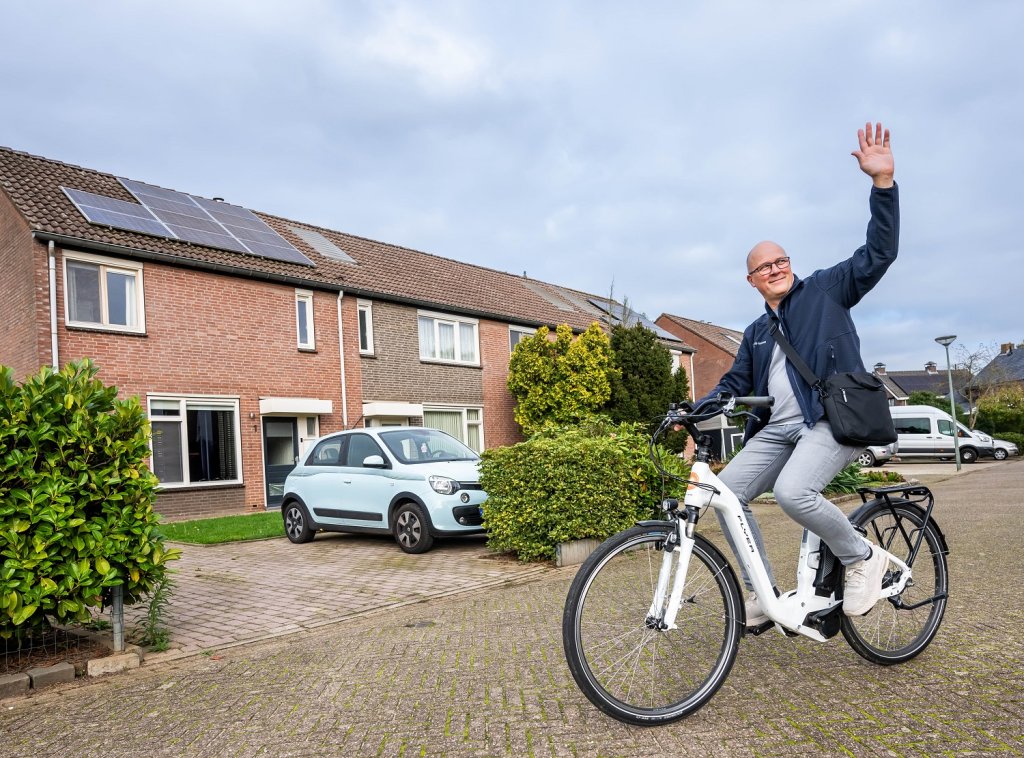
(229, 402)
(106, 264)
(466, 423)
(456, 322)
(365, 307)
(305, 297)
(522, 331)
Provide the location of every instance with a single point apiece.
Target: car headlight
(443, 485)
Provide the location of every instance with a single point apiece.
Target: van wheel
(968, 454)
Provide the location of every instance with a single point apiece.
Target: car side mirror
(374, 461)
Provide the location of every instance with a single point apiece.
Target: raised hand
(874, 155)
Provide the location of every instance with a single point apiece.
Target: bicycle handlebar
(756, 401)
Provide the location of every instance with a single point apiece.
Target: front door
(280, 454)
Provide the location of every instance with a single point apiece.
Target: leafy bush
(882, 477)
(76, 514)
(562, 380)
(570, 482)
(1016, 439)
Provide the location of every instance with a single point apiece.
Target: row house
(715, 349)
(246, 335)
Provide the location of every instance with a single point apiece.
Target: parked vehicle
(1004, 449)
(412, 482)
(876, 455)
(927, 432)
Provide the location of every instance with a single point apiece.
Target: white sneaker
(864, 584)
(755, 615)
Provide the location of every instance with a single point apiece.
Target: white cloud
(442, 60)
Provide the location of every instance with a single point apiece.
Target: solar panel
(628, 317)
(176, 215)
(109, 211)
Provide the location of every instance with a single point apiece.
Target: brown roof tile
(720, 336)
(389, 271)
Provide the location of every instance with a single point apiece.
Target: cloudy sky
(633, 148)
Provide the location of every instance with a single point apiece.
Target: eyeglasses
(766, 268)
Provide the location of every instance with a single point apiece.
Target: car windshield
(425, 446)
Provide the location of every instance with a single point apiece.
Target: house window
(448, 339)
(465, 424)
(365, 310)
(104, 293)
(195, 440)
(304, 319)
(517, 334)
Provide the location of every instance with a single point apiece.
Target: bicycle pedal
(757, 631)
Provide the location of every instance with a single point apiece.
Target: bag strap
(798, 362)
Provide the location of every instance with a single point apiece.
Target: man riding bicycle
(790, 449)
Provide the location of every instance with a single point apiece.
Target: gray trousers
(796, 463)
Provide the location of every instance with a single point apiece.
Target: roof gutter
(176, 260)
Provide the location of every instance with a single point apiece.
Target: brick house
(247, 335)
(715, 349)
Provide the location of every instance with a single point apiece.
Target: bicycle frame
(794, 611)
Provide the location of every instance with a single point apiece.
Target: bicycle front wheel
(635, 673)
(900, 627)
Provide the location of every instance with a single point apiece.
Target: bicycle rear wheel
(630, 671)
(900, 627)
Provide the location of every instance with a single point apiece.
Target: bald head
(775, 281)
(763, 251)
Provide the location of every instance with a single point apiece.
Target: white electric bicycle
(654, 617)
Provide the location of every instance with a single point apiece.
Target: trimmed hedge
(569, 482)
(76, 513)
(1015, 438)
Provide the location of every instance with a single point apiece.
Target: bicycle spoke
(627, 668)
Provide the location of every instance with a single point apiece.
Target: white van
(927, 432)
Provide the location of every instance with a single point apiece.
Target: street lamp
(946, 342)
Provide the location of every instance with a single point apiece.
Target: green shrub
(1014, 437)
(882, 477)
(565, 483)
(848, 480)
(76, 514)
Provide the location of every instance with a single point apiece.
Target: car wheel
(412, 529)
(1000, 454)
(866, 459)
(968, 455)
(296, 524)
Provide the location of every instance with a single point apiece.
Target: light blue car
(412, 482)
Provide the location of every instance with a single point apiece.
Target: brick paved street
(482, 673)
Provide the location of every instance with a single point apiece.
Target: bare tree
(970, 363)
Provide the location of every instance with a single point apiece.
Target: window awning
(295, 406)
(377, 409)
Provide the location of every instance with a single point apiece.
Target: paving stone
(111, 664)
(61, 672)
(482, 673)
(12, 685)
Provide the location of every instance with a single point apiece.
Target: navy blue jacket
(815, 316)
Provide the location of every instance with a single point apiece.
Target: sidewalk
(242, 592)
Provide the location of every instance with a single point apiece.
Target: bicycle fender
(654, 522)
(862, 509)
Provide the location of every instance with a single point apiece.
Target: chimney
(880, 369)
(1006, 348)
(931, 368)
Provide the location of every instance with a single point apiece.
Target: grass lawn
(211, 531)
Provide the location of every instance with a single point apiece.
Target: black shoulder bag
(855, 402)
